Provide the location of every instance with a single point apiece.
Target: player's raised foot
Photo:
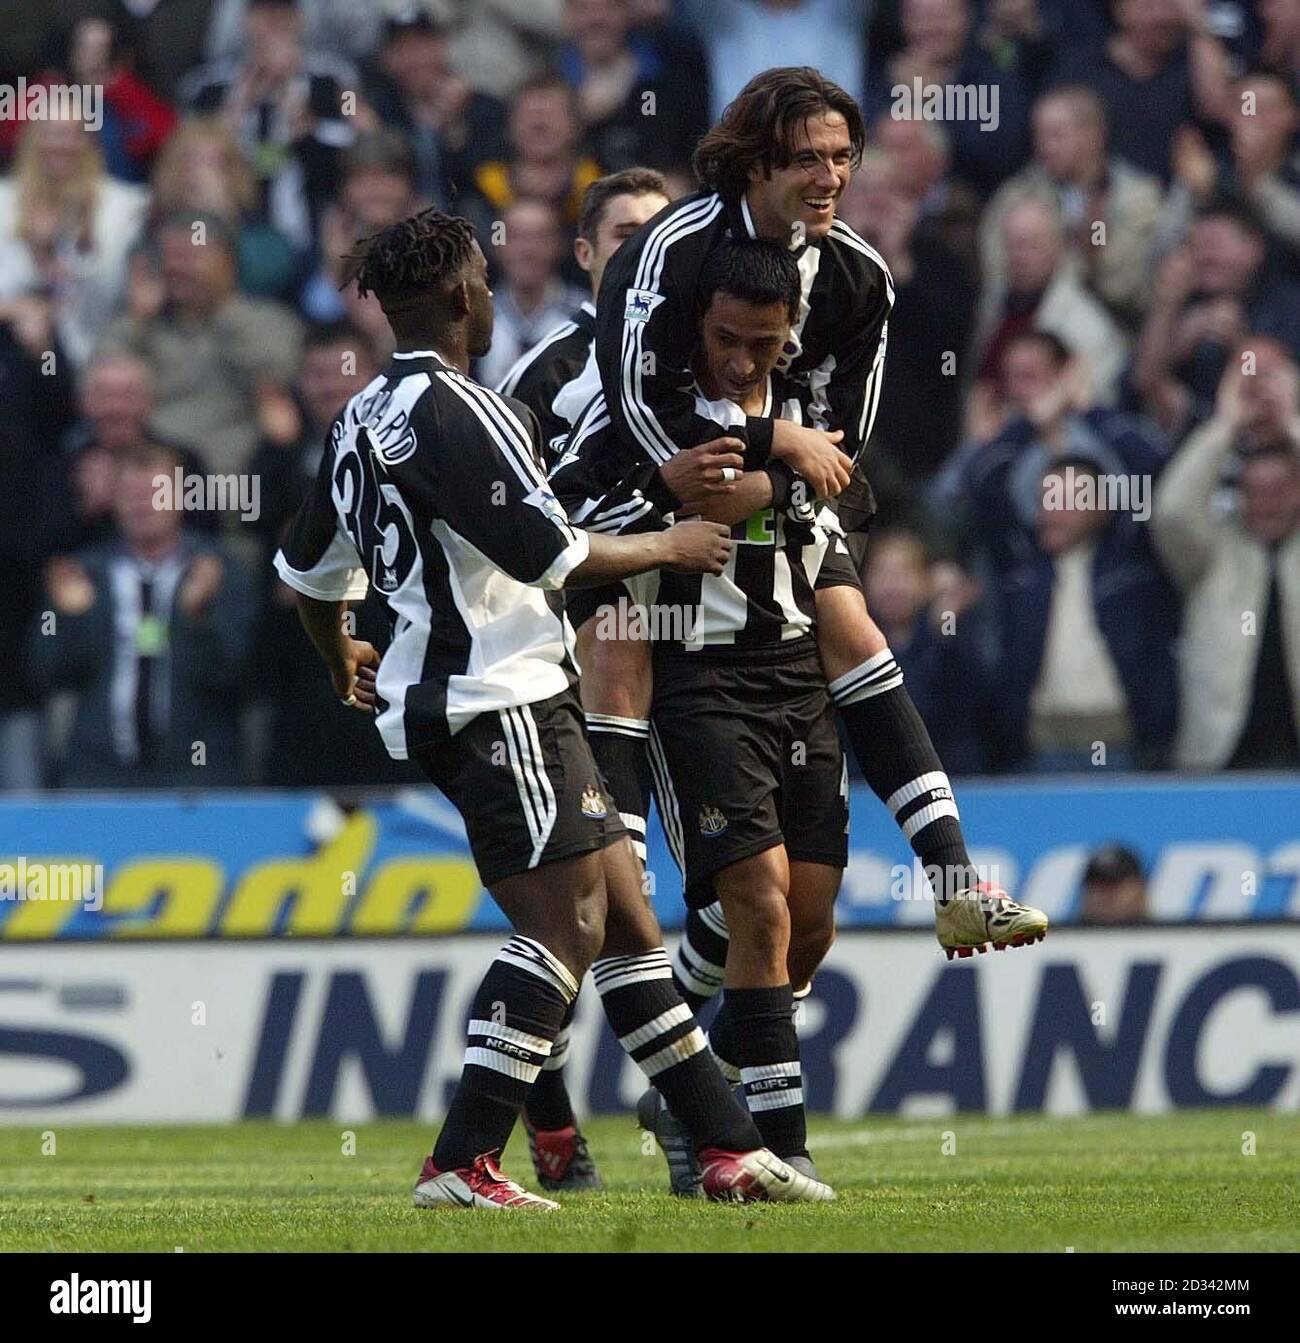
(478, 1185)
(654, 1116)
(561, 1159)
(757, 1177)
(984, 916)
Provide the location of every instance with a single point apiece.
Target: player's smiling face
(740, 343)
(804, 194)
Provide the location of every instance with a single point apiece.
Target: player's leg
(757, 1030)
(536, 818)
(701, 960)
(899, 762)
(615, 689)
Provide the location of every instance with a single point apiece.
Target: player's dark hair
(423, 254)
(629, 182)
(757, 272)
(758, 128)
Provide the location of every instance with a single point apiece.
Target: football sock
(619, 745)
(548, 1106)
(516, 1015)
(898, 760)
(662, 1036)
(722, 1040)
(701, 959)
(759, 1036)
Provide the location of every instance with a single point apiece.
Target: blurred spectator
(742, 38)
(152, 632)
(330, 28)
(451, 127)
(1240, 575)
(379, 188)
(1208, 295)
(135, 121)
(546, 162)
(930, 327)
(942, 54)
(530, 297)
(66, 230)
(498, 45)
(1114, 887)
(165, 36)
(1161, 67)
(1262, 167)
(38, 407)
(1086, 618)
(285, 106)
(117, 398)
(922, 610)
(629, 101)
(337, 363)
(219, 360)
(1092, 190)
(1279, 49)
(948, 210)
(1035, 285)
(201, 169)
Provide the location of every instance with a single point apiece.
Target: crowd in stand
(1087, 452)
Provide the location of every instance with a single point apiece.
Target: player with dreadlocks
(430, 490)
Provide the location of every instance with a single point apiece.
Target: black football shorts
(527, 786)
(745, 755)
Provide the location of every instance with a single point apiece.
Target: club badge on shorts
(593, 805)
(712, 822)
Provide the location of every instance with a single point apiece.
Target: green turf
(1108, 1182)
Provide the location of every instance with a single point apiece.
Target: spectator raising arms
(285, 107)
(1240, 570)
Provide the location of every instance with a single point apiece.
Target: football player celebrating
(429, 491)
(774, 167)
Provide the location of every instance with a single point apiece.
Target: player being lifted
(429, 490)
(775, 167)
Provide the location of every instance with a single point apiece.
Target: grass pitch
(1107, 1182)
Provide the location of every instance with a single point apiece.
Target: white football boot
(478, 1185)
(986, 915)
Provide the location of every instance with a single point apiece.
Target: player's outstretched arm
(351, 662)
(690, 547)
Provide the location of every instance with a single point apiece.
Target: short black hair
(755, 271)
(420, 255)
(629, 182)
(337, 331)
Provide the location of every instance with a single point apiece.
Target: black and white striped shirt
(765, 594)
(430, 491)
(545, 378)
